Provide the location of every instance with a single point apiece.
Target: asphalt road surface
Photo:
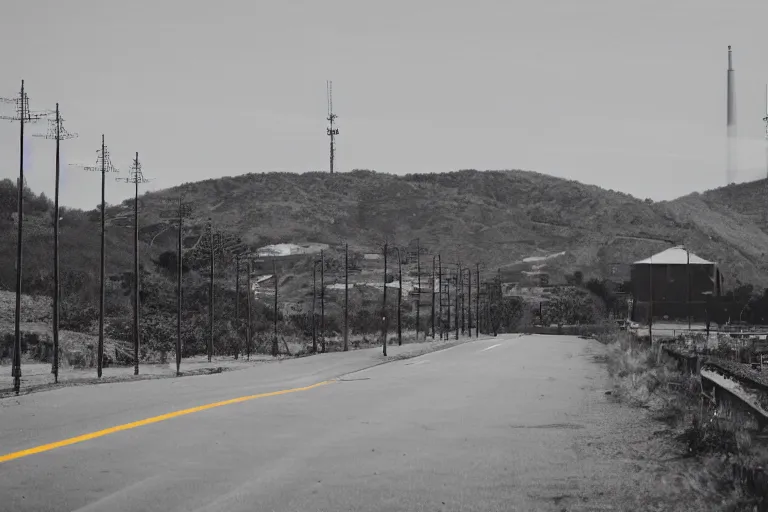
(495, 424)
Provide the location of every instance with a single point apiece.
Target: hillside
(498, 218)
(516, 221)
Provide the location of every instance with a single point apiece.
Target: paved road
(496, 424)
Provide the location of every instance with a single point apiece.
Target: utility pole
(433, 298)
(418, 286)
(331, 131)
(103, 165)
(458, 294)
(688, 285)
(248, 327)
(477, 302)
(211, 245)
(448, 290)
(440, 295)
(322, 301)
(274, 340)
(314, 301)
(384, 303)
(136, 176)
(399, 295)
(346, 296)
(22, 115)
(237, 304)
(210, 289)
(469, 301)
(182, 211)
(56, 132)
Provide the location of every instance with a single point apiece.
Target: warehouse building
(679, 282)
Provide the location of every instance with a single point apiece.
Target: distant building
(678, 279)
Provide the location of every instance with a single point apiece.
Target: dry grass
(718, 441)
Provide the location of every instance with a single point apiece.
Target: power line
(23, 115)
(184, 211)
(56, 132)
(103, 165)
(135, 176)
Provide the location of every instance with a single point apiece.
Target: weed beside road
(720, 455)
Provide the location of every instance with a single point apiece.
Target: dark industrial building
(677, 280)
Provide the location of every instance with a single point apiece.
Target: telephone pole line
(418, 286)
(136, 176)
(183, 210)
(346, 296)
(322, 301)
(384, 303)
(103, 166)
(274, 341)
(56, 132)
(23, 115)
(433, 297)
(331, 131)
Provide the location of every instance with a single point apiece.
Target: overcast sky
(623, 94)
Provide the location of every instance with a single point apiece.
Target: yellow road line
(148, 421)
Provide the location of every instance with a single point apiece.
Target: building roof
(674, 256)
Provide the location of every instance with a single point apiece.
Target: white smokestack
(731, 124)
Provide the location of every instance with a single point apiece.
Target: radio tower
(23, 115)
(730, 123)
(332, 132)
(765, 120)
(56, 132)
(135, 176)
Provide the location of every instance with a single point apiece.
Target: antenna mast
(331, 131)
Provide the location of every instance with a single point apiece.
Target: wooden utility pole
(433, 297)
(237, 304)
(314, 302)
(418, 286)
(346, 297)
(384, 303)
(688, 285)
(399, 296)
(274, 341)
(103, 166)
(458, 294)
(440, 322)
(210, 292)
(56, 132)
(477, 303)
(469, 301)
(179, 270)
(448, 292)
(248, 327)
(136, 177)
(322, 301)
(181, 211)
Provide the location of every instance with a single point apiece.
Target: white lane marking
(492, 346)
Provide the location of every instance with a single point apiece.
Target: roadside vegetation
(727, 455)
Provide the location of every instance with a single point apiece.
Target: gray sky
(623, 94)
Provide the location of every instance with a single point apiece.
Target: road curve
(496, 424)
